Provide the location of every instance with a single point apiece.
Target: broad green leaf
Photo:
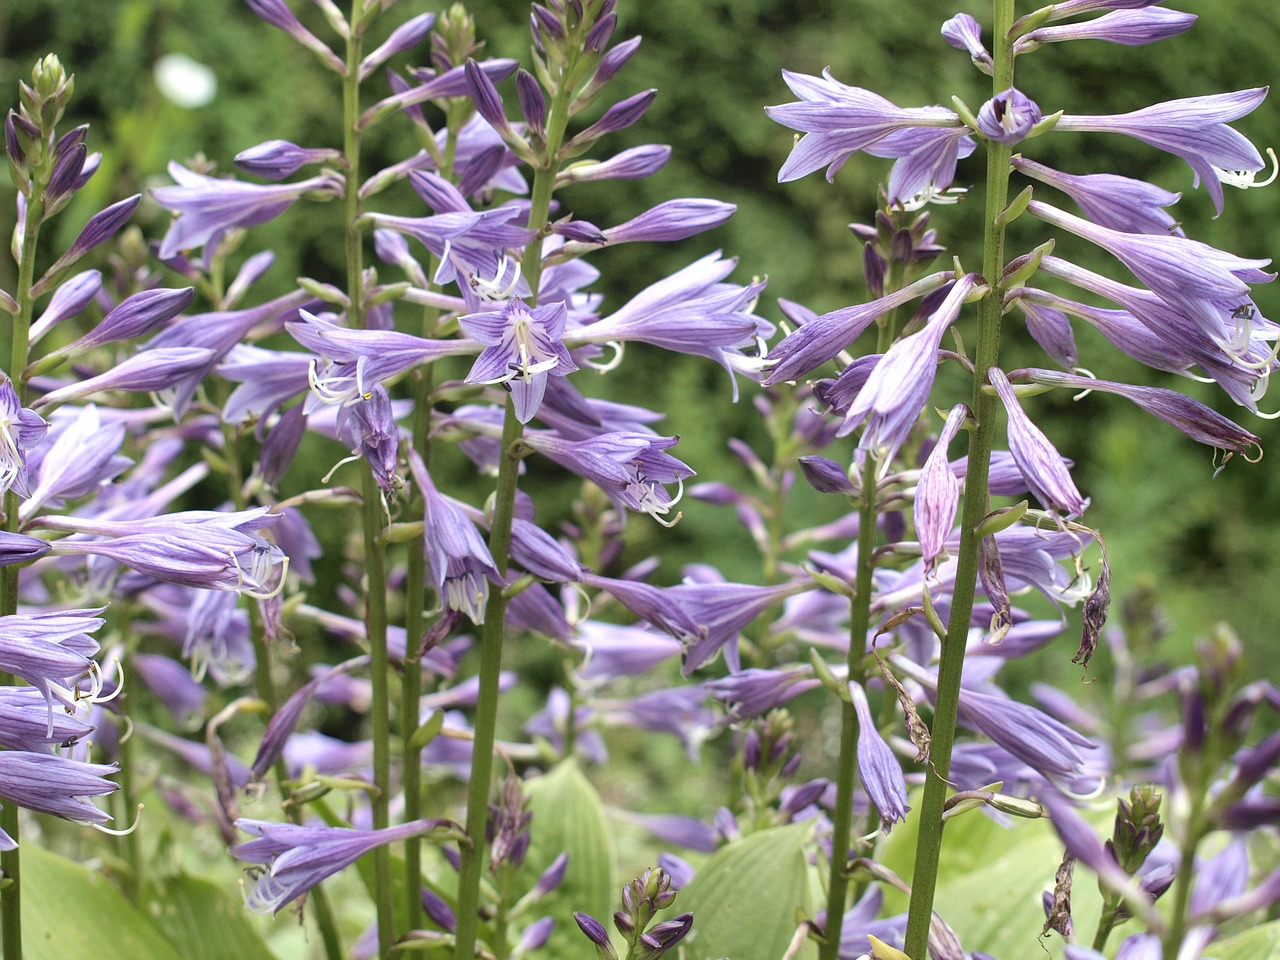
(1260, 943)
(68, 911)
(746, 898)
(202, 922)
(569, 817)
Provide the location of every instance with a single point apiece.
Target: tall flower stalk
(976, 506)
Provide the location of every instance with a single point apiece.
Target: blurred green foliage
(716, 64)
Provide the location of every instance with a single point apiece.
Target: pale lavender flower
(277, 159)
(72, 296)
(207, 207)
(1120, 203)
(825, 476)
(1196, 279)
(938, 492)
(278, 14)
(171, 683)
(298, 857)
(839, 120)
(53, 784)
(1192, 417)
(368, 427)
(489, 105)
(878, 768)
(1195, 129)
(672, 220)
(1130, 28)
(26, 724)
(1036, 457)
(522, 347)
(925, 163)
(149, 370)
(1008, 117)
(896, 390)
(822, 338)
(635, 163)
(20, 430)
(692, 311)
(460, 563)
(612, 650)
(50, 651)
(751, 692)
(633, 468)
(963, 32)
(205, 549)
(84, 454)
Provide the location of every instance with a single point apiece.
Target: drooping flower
(521, 349)
(938, 492)
(460, 563)
(53, 784)
(1192, 417)
(1041, 465)
(878, 768)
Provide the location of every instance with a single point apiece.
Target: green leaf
(568, 817)
(68, 911)
(203, 922)
(746, 898)
(1260, 943)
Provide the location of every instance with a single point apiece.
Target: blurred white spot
(185, 82)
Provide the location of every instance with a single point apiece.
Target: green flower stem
(375, 614)
(859, 622)
(929, 842)
(414, 623)
(491, 636)
(495, 614)
(1185, 877)
(19, 350)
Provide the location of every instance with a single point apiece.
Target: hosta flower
(1130, 28)
(460, 563)
(1041, 465)
(206, 549)
(839, 120)
(896, 390)
(1121, 203)
(51, 651)
(207, 207)
(521, 349)
(1194, 128)
(1008, 117)
(938, 492)
(20, 430)
(53, 784)
(298, 857)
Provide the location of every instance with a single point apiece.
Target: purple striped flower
(1008, 117)
(1195, 129)
(20, 430)
(1130, 28)
(1192, 417)
(838, 121)
(938, 493)
(1041, 465)
(1120, 203)
(521, 349)
(298, 857)
(878, 768)
(895, 393)
(53, 784)
(207, 207)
